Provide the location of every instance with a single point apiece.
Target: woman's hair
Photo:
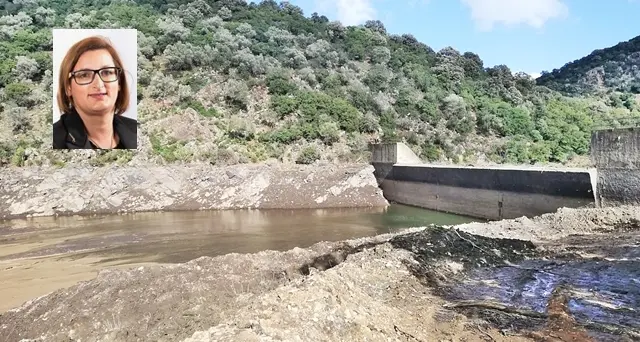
(70, 60)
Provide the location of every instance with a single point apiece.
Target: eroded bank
(115, 189)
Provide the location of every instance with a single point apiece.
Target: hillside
(224, 82)
(615, 68)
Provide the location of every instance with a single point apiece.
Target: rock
(187, 187)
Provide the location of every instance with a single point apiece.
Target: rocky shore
(115, 189)
(407, 286)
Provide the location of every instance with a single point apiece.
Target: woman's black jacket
(69, 132)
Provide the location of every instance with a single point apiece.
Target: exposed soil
(564, 222)
(116, 189)
(412, 286)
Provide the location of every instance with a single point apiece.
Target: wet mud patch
(632, 225)
(582, 288)
(436, 246)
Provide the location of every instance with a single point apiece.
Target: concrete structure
(616, 155)
(384, 156)
(489, 193)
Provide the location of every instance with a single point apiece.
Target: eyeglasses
(86, 76)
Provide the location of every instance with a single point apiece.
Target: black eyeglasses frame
(96, 71)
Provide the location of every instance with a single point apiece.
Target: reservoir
(40, 255)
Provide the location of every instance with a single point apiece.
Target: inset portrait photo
(94, 89)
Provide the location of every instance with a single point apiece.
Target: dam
(502, 192)
(616, 155)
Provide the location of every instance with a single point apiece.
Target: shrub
(18, 93)
(284, 105)
(308, 155)
(105, 157)
(237, 94)
(6, 152)
(430, 151)
(19, 120)
(329, 132)
(170, 151)
(240, 128)
(280, 84)
(284, 135)
(198, 107)
(18, 158)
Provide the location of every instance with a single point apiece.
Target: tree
(319, 19)
(44, 17)
(173, 29)
(181, 56)
(249, 64)
(294, 58)
(455, 112)
(378, 78)
(210, 25)
(225, 13)
(26, 68)
(10, 24)
(472, 65)
(246, 30)
(381, 55)
(76, 20)
(376, 25)
(449, 69)
(279, 83)
(280, 37)
(189, 14)
(146, 44)
(290, 9)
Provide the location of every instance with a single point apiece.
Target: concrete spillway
(510, 192)
(483, 192)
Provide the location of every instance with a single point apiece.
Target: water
(181, 236)
(42, 254)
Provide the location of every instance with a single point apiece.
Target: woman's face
(98, 97)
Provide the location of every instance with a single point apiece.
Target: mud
(563, 223)
(427, 284)
(592, 280)
(22, 280)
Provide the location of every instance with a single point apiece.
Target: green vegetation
(170, 150)
(308, 155)
(199, 108)
(266, 80)
(105, 157)
(614, 68)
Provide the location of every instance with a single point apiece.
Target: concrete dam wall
(489, 193)
(616, 155)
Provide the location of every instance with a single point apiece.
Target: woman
(92, 95)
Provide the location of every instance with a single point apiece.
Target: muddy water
(40, 255)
